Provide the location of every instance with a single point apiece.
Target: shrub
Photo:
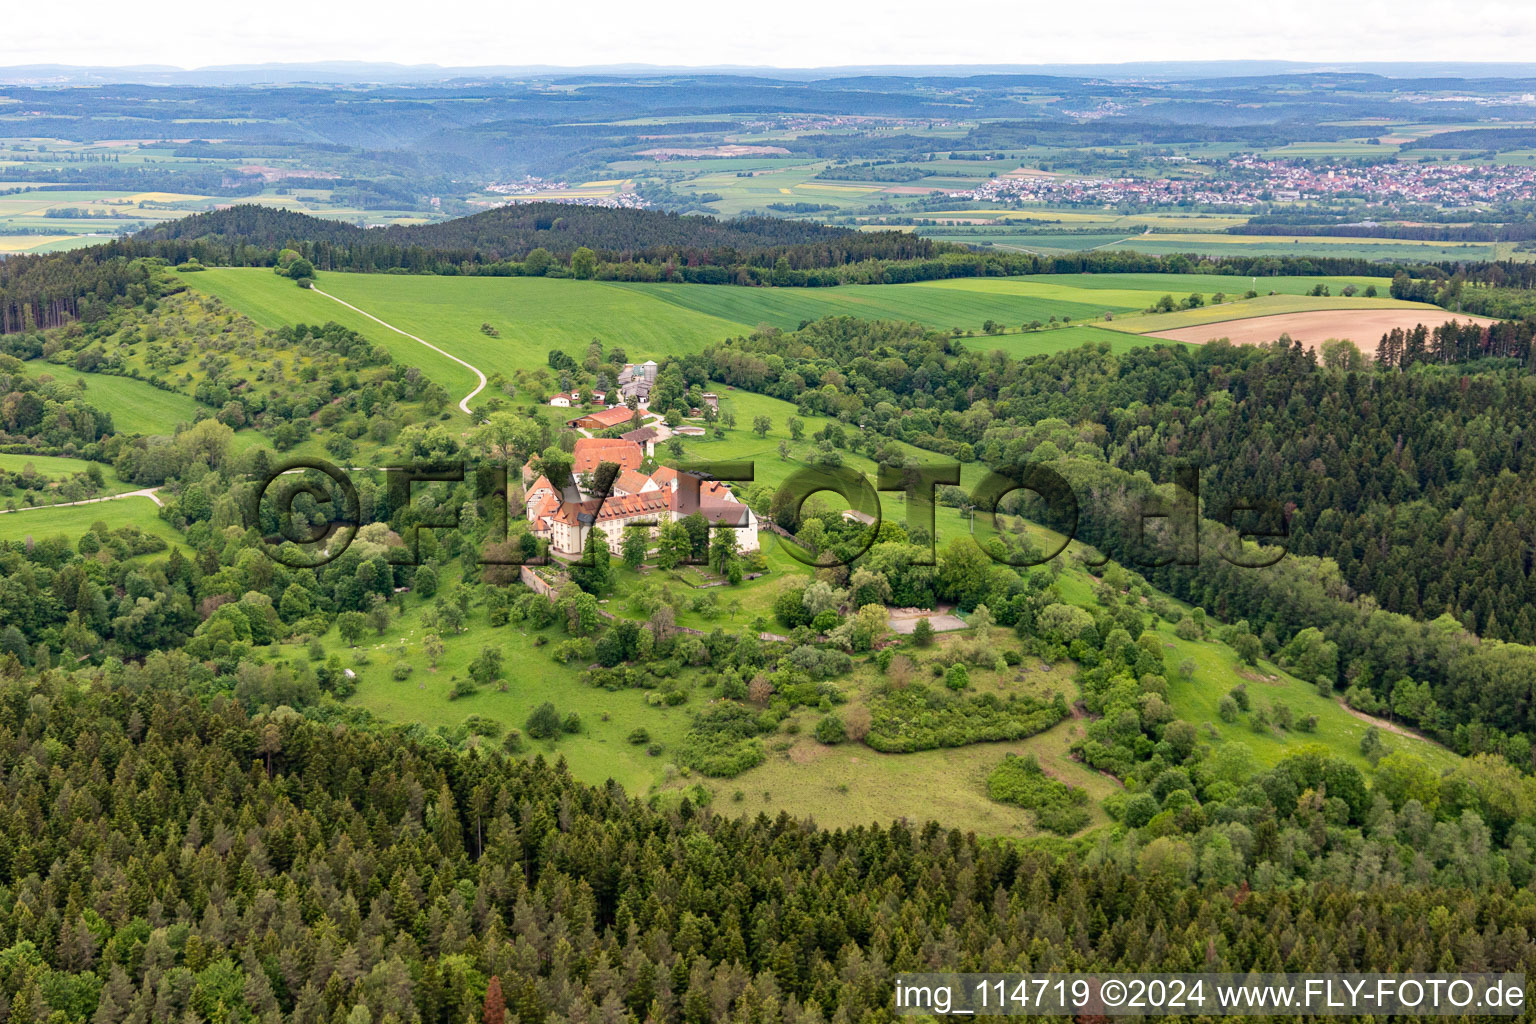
(922, 633)
(572, 723)
(917, 718)
(1022, 782)
(543, 722)
(830, 730)
(461, 688)
(639, 736)
(402, 670)
(723, 741)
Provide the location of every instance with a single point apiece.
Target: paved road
(147, 492)
(464, 402)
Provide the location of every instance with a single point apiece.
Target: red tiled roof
(630, 505)
(590, 452)
(631, 481)
(548, 506)
(570, 512)
(609, 417)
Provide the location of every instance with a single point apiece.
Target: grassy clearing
(136, 406)
(54, 466)
(599, 752)
(849, 784)
(1217, 669)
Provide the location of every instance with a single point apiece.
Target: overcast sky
(781, 33)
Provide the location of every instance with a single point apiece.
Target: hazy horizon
(800, 35)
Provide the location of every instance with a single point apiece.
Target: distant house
(561, 401)
(712, 400)
(604, 420)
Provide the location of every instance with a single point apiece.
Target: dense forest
(512, 232)
(174, 856)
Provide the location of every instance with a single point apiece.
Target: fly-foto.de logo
(310, 510)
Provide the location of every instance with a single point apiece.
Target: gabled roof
(631, 482)
(548, 506)
(728, 512)
(576, 513)
(590, 452)
(610, 417)
(541, 484)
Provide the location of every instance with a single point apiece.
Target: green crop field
(534, 315)
(965, 303)
(136, 406)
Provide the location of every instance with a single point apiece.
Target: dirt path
(147, 492)
(904, 620)
(463, 402)
(1382, 723)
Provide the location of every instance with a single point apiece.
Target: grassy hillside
(534, 315)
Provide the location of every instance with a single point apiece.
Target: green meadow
(136, 406)
(73, 520)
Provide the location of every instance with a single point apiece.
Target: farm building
(607, 418)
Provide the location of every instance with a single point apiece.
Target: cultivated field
(534, 315)
(1362, 326)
